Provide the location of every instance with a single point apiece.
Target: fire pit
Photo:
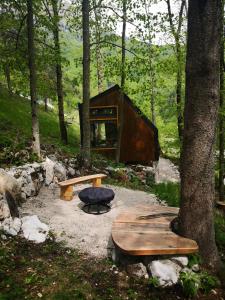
(96, 199)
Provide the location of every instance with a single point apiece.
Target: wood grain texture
(145, 230)
(66, 193)
(81, 179)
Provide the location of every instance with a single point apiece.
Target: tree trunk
(32, 69)
(46, 104)
(98, 55)
(221, 116)
(123, 76)
(200, 117)
(86, 83)
(123, 60)
(8, 77)
(59, 82)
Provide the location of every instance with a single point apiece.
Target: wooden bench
(145, 230)
(66, 187)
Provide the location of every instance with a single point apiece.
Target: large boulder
(34, 230)
(11, 226)
(48, 166)
(10, 184)
(4, 210)
(166, 271)
(59, 171)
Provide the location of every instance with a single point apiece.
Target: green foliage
(194, 259)
(208, 282)
(15, 129)
(193, 282)
(169, 192)
(154, 282)
(220, 230)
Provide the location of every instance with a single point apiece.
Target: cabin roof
(138, 111)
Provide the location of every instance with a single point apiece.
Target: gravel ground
(89, 233)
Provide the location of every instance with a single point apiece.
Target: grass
(52, 271)
(15, 126)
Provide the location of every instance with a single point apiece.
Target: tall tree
(86, 83)
(200, 117)
(98, 54)
(123, 52)
(59, 81)
(176, 33)
(221, 112)
(123, 77)
(32, 69)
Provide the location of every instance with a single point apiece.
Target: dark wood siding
(139, 143)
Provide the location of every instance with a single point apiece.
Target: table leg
(66, 192)
(97, 182)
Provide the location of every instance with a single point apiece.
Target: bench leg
(66, 192)
(97, 182)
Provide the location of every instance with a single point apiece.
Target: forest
(58, 60)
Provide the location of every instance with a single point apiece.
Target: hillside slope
(15, 127)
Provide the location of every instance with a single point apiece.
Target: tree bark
(98, 55)
(200, 117)
(221, 116)
(123, 59)
(86, 83)
(123, 77)
(32, 69)
(59, 77)
(46, 104)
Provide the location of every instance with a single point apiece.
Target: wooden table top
(145, 230)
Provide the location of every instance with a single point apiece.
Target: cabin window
(104, 124)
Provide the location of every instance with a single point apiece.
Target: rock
(34, 229)
(29, 189)
(166, 271)
(137, 270)
(195, 268)
(60, 172)
(70, 172)
(4, 210)
(10, 184)
(11, 226)
(48, 165)
(182, 260)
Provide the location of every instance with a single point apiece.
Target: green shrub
(169, 192)
(220, 230)
(208, 282)
(194, 259)
(154, 281)
(191, 283)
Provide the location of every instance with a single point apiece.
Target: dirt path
(88, 233)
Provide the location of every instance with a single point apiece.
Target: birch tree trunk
(200, 118)
(32, 69)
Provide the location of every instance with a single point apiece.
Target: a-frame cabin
(119, 130)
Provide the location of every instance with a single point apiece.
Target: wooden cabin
(119, 130)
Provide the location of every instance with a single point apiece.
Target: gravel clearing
(88, 233)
